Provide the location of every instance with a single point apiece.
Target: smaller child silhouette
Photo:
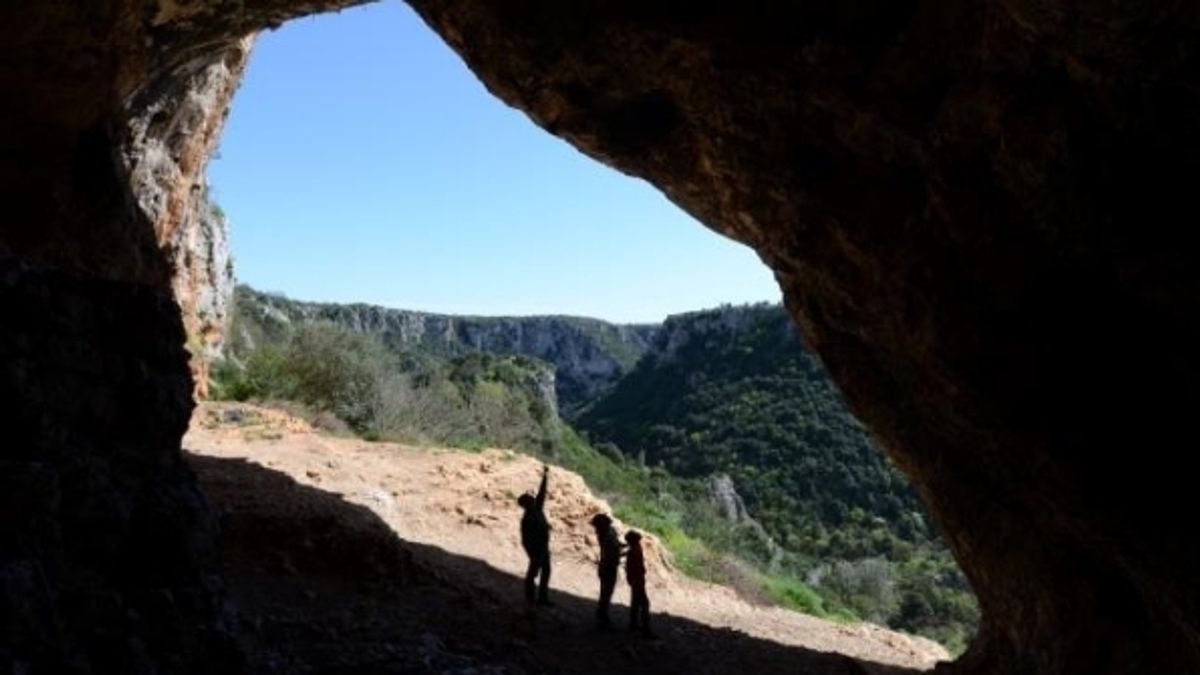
(635, 574)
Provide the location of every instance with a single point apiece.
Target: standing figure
(535, 539)
(610, 563)
(635, 574)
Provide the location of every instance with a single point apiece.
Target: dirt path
(300, 548)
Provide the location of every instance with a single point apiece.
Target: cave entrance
(730, 443)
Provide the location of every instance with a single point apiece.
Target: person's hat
(633, 536)
(600, 520)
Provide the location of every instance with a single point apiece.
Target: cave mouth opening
(865, 552)
(963, 204)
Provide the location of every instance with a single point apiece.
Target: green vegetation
(467, 402)
(791, 592)
(703, 544)
(733, 391)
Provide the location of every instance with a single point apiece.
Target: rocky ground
(345, 556)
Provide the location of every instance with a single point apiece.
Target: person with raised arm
(535, 539)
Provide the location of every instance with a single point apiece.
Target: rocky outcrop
(544, 386)
(172, 130)
(588, 355)
(732, 507)
(964, 204)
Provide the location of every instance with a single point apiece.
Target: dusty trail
(304, 560)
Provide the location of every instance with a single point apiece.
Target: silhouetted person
(535, 539)
(635, 574)
(610, 562)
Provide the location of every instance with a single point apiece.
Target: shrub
(794, 594)
(867, 587)
(336, 370)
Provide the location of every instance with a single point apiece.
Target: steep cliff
(588, 355)
(166, 150)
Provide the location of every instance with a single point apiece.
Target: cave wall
(978, 213)
(107, 547)
(107, 560)
(171, 131)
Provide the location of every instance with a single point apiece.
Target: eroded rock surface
(173, 129)
(977, 212)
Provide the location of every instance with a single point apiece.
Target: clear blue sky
(363, 162)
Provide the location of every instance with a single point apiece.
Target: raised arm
(541, 495)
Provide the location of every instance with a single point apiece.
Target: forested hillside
(733, 391)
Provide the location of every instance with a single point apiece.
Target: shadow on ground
(322, 585)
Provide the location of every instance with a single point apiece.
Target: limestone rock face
(977, 211)
(204, 288)
(172, 130)
(588, 355)
(731, 506)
